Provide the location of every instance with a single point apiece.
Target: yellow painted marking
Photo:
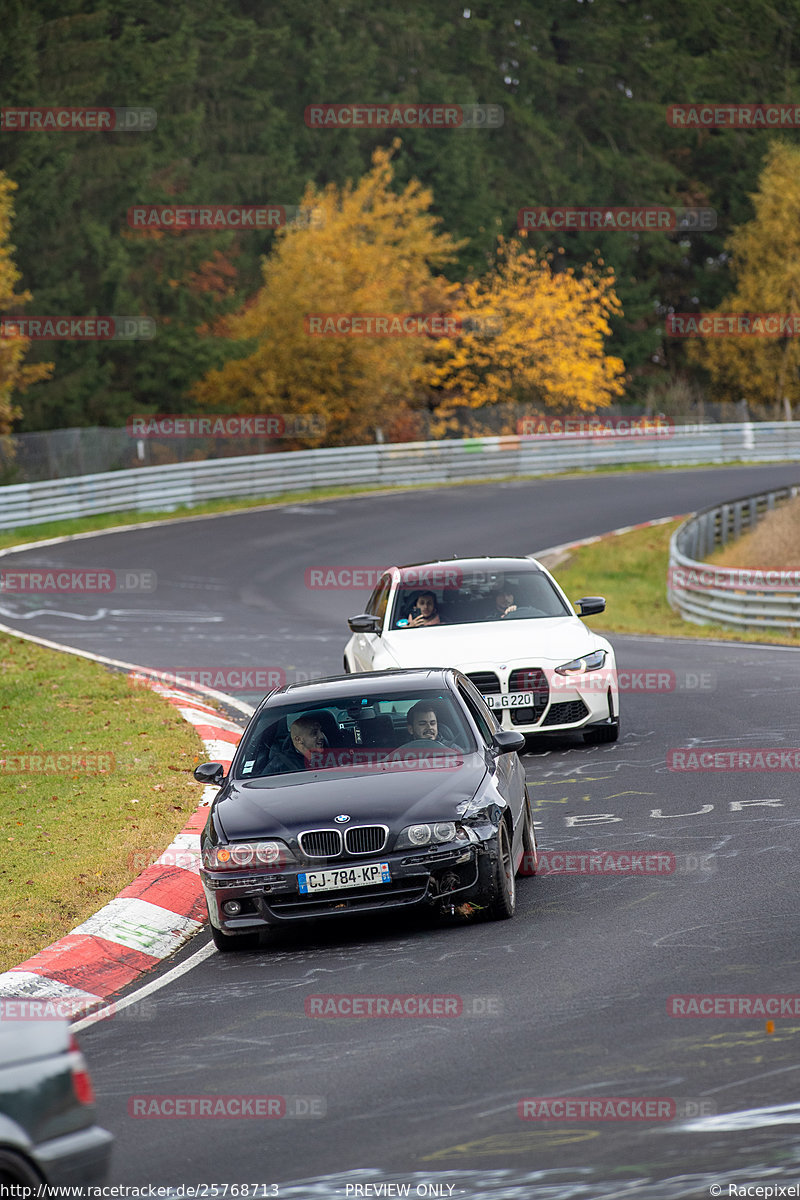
(618, 794)
(515, 1143)
(641, 900)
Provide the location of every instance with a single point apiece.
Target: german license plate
(510, 700)
(343, 877)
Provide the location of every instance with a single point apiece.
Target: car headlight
(579, 666)
(248, 856)
(437, 833)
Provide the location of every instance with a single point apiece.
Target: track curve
(572, 993)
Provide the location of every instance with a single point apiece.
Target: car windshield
(368, 730)
(474, 596)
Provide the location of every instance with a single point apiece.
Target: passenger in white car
(424, 611)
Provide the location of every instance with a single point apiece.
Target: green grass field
(630, 570)
(74, 837)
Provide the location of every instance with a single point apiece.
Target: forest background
(584, 85)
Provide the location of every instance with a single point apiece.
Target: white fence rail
(703, 592)
(164, 488)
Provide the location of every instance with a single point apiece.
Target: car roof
(508, 563)
(395, 680)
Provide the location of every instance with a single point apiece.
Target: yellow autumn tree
(536, 338)
(14, 376)
(765, 264)
(368, 250)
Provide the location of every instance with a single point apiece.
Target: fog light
(231, 908)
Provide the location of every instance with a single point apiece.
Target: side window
(486, 723)
(380, 598)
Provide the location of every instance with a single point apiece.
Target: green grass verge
(72, 839)
(630, 570)
(50, 529)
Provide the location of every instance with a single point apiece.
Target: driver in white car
(504, 604)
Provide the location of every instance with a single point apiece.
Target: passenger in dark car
(306, 738)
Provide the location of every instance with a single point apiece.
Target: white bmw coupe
(506, 624)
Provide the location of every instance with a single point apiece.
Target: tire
(601, 734)
(228, 942)
(530, 854)
(503, 903)
(16, 1169)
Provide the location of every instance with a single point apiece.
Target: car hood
(553, 640)
(284, 805)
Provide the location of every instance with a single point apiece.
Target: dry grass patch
(774, 543)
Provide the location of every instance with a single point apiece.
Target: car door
(365, 645)
(508, 770)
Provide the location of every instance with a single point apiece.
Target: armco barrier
(703, 592)
(165, 488)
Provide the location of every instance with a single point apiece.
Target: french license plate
(510, 700)
(343, 877)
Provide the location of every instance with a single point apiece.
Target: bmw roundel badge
(342, 819)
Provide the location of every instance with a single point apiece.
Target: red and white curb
(149, 919)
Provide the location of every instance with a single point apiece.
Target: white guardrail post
(164, 488)
(703, 593)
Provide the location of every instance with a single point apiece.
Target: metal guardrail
(165, 488)
(703, 592)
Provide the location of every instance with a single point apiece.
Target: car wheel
(504, 901)
(227, 942)
(15, 1169)
(601, 734)
(530, 853)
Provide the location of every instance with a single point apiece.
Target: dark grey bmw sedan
(362, 793)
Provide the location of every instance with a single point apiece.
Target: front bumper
(418, 877)
(575, 703)
(568, 710)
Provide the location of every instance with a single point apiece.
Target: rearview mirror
(364, 623)
(589, 605)
(212, 772)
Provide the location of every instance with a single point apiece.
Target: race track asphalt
(569, 998)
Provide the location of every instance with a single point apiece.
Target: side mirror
(589, 605)
(210, 773)
(508, 740)
(364, 623)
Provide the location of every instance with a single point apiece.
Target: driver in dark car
(423, 726)
(306, 739)
(422, 722)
